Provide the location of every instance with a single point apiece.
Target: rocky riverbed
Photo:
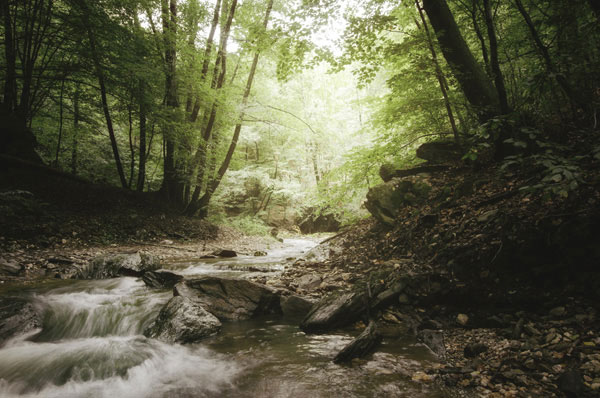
(526, 344)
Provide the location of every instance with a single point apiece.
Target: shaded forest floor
(501, 269)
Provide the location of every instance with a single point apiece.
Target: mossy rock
(384, 201)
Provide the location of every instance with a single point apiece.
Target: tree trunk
(206, 60)
(171, 187)
(219, 72)
(439, 75)
(76, 117)
(475, 84)
(484, 51)
(131, 146)
(202, 204)
(100, 75)
(495, 64)
(550, 67)
(312, 147)
(60, 122)
(10, 78)
(142, 163)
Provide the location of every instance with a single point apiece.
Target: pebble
(462, 319)
(558, 311)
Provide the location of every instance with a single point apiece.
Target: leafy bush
(248, 225)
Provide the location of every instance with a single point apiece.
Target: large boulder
(182, 321)
(118, 264)
(294, 306)
(8, 267)
(335, 311)
(316, 220)
(17, 316)
(230, 299)
(384, 201)
(161, 279)
(439, 151)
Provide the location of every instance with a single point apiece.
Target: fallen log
(361, 346)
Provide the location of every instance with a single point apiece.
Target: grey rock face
(183, 321)
(17, 316)
(112, 265)
(161, 279)
(230, 299)
(384, 201)
(9, 267)
(334, 311)
(434, 339)
(294, 306)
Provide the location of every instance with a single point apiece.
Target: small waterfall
(98, 308)
(91, 345)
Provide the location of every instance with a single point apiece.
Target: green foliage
(248, 225)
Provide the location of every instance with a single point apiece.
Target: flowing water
(91, 345)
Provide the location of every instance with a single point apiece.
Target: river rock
(389, 295)
(112, 265)
(17, 316)
(434, 339)
(230, 299)
(182, 321)
(571, 383)
(161, 279)
(225, 253)
(334, 311)
(9, 267)
(462, 319)
(309, 282)
(294, 306)
(361, 346)
(474, 349)
(384, 201)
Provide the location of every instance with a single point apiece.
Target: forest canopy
(273, 108)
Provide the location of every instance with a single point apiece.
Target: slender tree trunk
(60, 122)
(131, 146)
(171, 188)
(313, 156)
(220, 70)
(142, 162)
(484, 51)
(10, 78)
(100, 76)
(439, 75)
(550, 67)
(473, 80)
(202, 204)
(495, 63)
(206, 59)
(76, 117)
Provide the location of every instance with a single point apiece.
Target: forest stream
(91, 344)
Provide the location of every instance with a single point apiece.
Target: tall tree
(439, 74)
(202, 204)
(85, 17)
(473, 80)
(219, 72)
(495, 63)
(171, 187)
(551, 68)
